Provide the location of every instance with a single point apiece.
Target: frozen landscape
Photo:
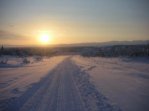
(124, 81)
(74, 83)
(74, 55)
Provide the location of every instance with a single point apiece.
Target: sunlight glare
(44, 38)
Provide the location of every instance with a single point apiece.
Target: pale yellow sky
(68, 21)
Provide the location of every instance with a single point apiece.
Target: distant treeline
(118, 50)
(106, 51)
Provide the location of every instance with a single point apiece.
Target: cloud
(5, 35)
(9, 38)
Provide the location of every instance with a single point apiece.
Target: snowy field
(74, 83)
(16, 77)
(124, 81)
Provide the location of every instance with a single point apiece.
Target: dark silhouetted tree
(1, 50)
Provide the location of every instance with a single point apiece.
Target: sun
(44, 38)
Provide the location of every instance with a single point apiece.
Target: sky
(73, 21)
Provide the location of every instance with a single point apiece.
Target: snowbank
(124, 81)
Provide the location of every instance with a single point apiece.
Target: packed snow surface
(124, 81)
(15, 80)
(55, 84)
(73, 83)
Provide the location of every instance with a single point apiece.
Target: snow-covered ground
(54, 84)
(74, 83)
(124, 81)
(16, 77)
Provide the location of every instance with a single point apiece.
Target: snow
(124, 81)
(74, 83)
(64, 88)
(14, 81)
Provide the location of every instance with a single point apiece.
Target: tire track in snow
(64, 89)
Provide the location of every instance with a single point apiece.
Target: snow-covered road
(65, 88)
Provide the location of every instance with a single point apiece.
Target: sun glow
(45, 38)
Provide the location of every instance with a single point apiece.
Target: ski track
(65, 88)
